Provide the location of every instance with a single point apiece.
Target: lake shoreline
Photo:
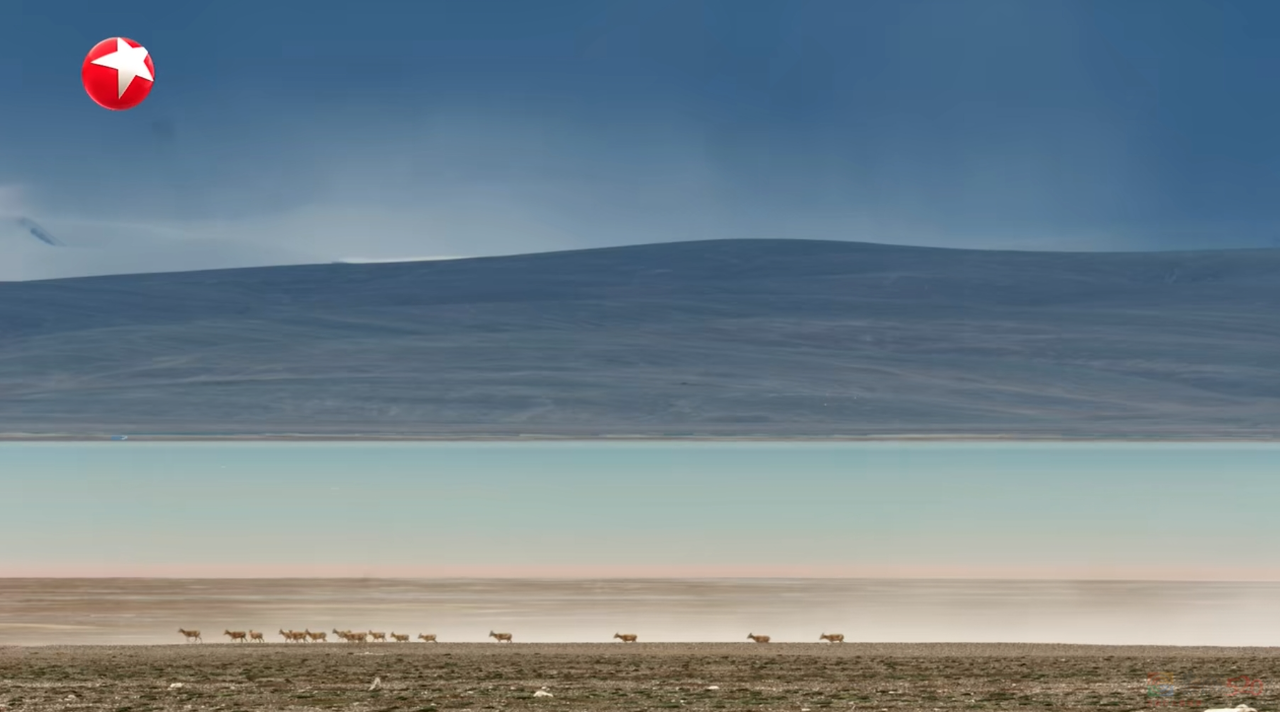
(744, 648)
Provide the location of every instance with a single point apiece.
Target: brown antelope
(758, 638)
(320, 635)
(256, 637)
(625, 637)
(353, 637)
(428, 637)
(237, 636)
(500, 637)
(400, 638)
(832, 638)
(378, 636)
(191, 635)
(292, 636)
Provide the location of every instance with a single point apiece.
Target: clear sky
(1022, 510)
(393, 129)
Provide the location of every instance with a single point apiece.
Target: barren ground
(605, 677)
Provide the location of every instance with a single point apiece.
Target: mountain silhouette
(750, 338)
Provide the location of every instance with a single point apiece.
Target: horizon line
(569, 250)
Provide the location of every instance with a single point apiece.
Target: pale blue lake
(1199, 518)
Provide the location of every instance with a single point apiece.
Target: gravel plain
(424, 677)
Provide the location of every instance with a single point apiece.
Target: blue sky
(386, 129)
(1010, 510)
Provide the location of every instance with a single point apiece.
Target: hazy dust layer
(603, 677)
(150, 611)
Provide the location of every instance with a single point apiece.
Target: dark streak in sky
(40, 233)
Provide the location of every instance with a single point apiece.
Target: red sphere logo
(118, 73)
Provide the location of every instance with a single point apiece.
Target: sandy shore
(606, 677)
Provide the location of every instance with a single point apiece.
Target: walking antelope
(237, 636)
(319, 635)
(500, 637)
(625, 637)
(256, 637)
(191, 635)
(378, 636)
(293, 636)
(399, 638)
(758, 638)
(832, 638)
(427, 638)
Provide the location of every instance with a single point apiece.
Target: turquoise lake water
(851, 507)
(675, 510)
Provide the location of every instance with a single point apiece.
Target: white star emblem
(129, 62)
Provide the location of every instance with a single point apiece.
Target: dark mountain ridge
(767, 338)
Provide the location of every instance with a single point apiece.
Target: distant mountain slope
(735, 337)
